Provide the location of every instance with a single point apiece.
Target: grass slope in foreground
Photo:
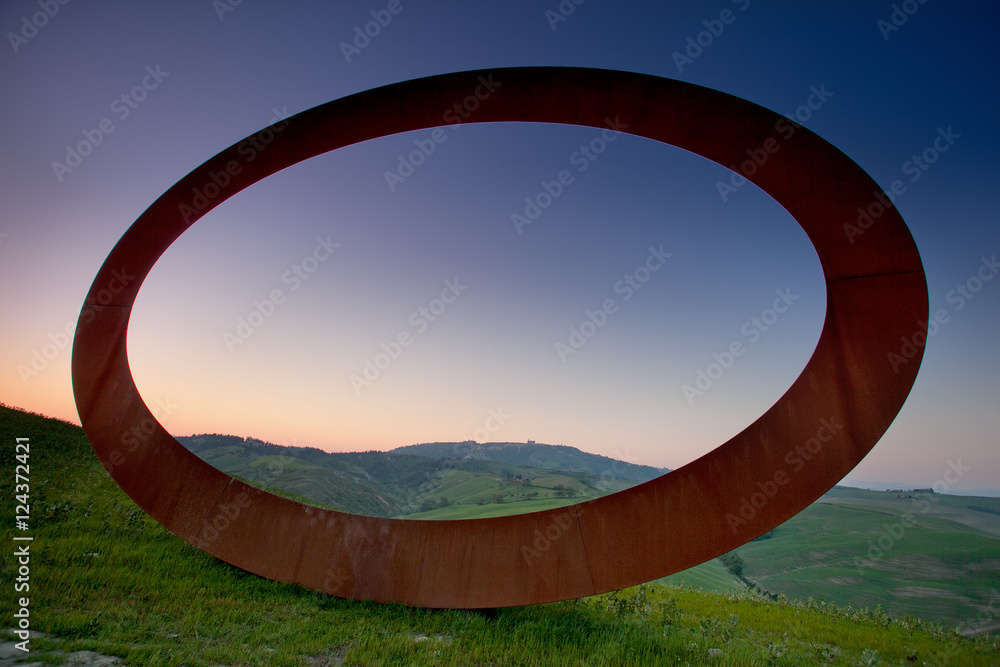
(105, 577)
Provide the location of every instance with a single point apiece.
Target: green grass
(472, 493)
(492, 510)
(710, 576)
(464, 487)
(557, 480)
(891, 554)
(105, 577)
(279, 463)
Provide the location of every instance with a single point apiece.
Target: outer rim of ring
(843, 401)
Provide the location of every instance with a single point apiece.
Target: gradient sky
(223, 72)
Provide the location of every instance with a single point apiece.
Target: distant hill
(422, 478)
(886, 486)
(360, 482)
(550, 457)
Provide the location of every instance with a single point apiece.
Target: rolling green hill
(925, 554)
(710, 576)
(105, 577)
(399, 483)
(536, 455)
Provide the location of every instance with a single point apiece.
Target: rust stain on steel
(837, 409)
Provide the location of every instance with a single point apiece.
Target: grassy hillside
(105, 577)
(927, 555)
(711, 576)
(360, 482)
(399, 484)
(536, 455)
(491, 510)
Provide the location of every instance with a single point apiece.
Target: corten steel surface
(832, 415)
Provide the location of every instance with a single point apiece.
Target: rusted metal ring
(831, 416)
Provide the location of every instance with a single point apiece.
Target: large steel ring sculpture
(849, 392)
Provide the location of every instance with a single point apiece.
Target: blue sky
(360, 260)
